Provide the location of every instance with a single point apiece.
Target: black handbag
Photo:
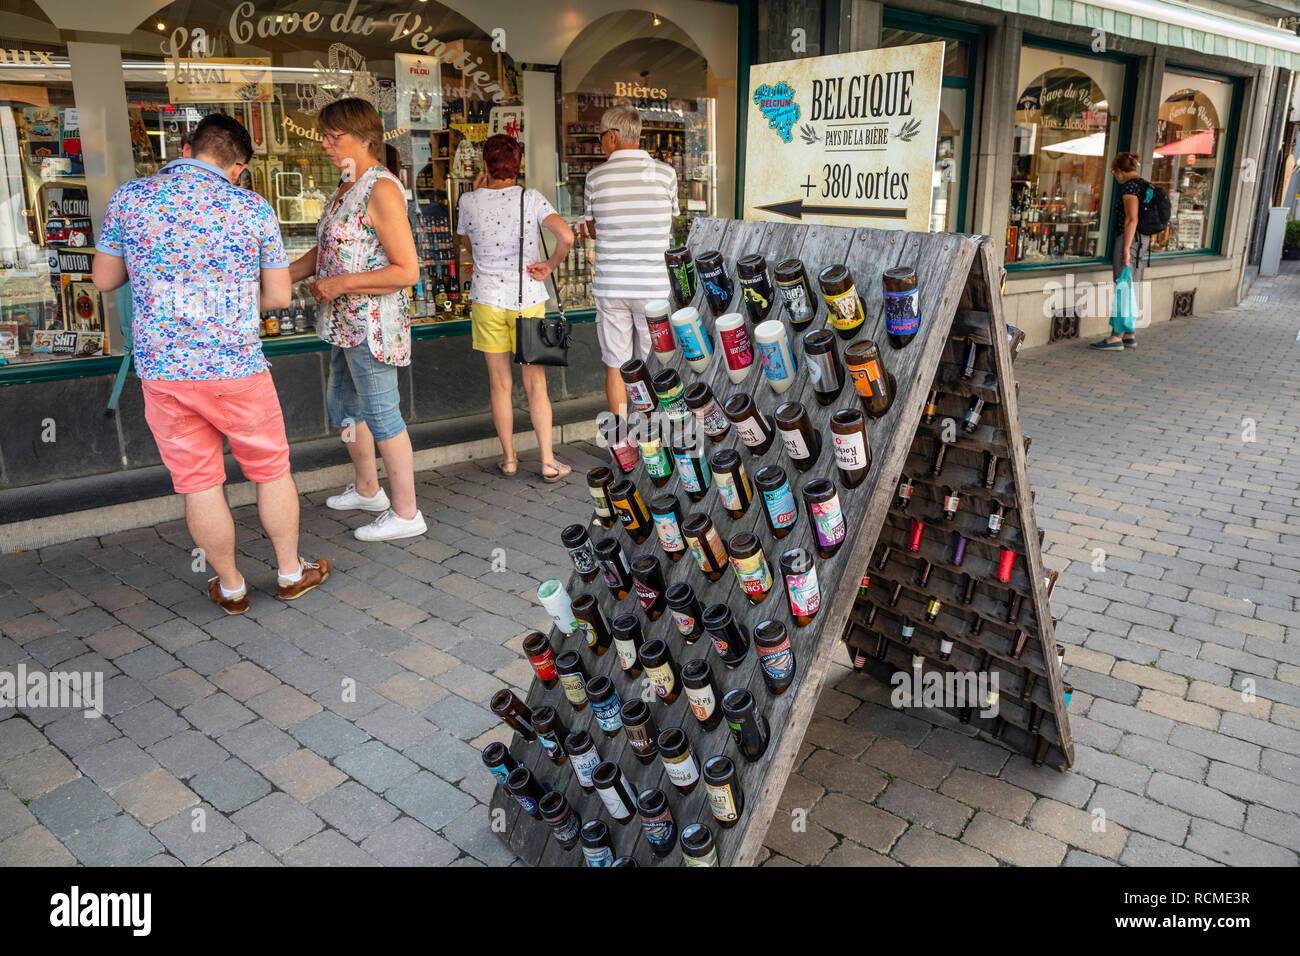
(539, 340)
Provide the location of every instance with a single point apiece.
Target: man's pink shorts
(188, 420)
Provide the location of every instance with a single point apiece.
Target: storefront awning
(1168, 24)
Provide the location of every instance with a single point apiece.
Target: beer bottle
(727, 634)
(971, 420)
(883, 558)
(737, 347)
(958, 548)
(692, 470)
(598, 482)
(882, 647)
(906, 631)
(864, 586)
(597, 847)
(560, 817)
(996, 515)
(614, 566)
(551, 734)
(801, 588)
(945, 647)
(797, 293)
(631, 510)
(726, 798)
(618, 438)
(648, 578)
(824, 369)
(573, 679)
(583, 554)
(1015, 339)
(775, 655)
(824, 515)
(1018, 644)
(718, 288)
(895, 594)
(844, 312)
(542, 657)
(660, 328)
(1013, 606)
(931, 407)
(802, 442)
(671, 393)
(968, 590)
(658, 463)
(951, 502)
(554, 597)
(514, 712)
(697, 846)
(1027, 685)
(582, 752)
(681, 275)
(587, 612)
(756, 286)
(666, 513)
(694, 339)
(990, 469)
(968, 365)
(748, 727)
(932, 609)
(523, 786)
(679, 763)
(869, 619)
(750, 564)
(917, 532)
(1006, 560)
(753, 427)
(499, 761)
(642, 734)
(976, 624)
(614, 790)
(859, 657)
(627, 641)
(779, 363)
(729, 474)
(778, 501)
(685, 611)
(923, 579)
(656, 821)
(661, 670)
(902, 305)
(874, 385)
(605, 704)
(697, 678)
(940, 456)
(639, 386)
(705, 544)
(707, 411)
(1067, 691)
(852, 449)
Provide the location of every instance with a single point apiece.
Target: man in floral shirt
(204, 257)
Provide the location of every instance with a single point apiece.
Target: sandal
(508, 466)
(1130, 341)
(559, 470)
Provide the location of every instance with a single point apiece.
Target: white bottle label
(702, 702)
(795, 446)
(721, 803)
(626, 653)
(613, 802)
(682, 771)
(850, 451)
(584, 764)
(751, 431)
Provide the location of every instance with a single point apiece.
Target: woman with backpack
(1130, 244)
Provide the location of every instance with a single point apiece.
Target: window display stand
(958, 295)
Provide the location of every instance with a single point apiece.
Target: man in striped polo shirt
(631, 199)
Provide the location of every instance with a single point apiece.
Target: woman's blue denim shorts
(362, 388)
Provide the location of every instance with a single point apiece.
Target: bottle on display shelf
(582, 552)
(971, 420)
(968, 364)
(701, 693)
(692, 469)
(797, 293)
(708, 411)
(597, 847)
(626, 631)
(706, 544)
(725, 796)
(803, 592)
(779, 507)
(824, 516)
(554, 597)
(666, 513)
(615, 567)
(499, 761)
(756, 286)
(718, 287)
(749, 728)
(661, 669)
(658, 463)
(775, 655)
(657, 824)
(551, 734)
(779, 364)
(906, 489)
(734, 490)
(951, 502)
(990, 472)
(958, 548)
(540, 654)
(875, 385)
(642, 732)
(902, 305)
(803, 443)
(697, 846)
(573, 679)
(514, 712)
(565, 824)
(682, 279)
(639, 387)
(1013, 606)
(844, 312)
(631, 510)
(882, 560)
(825, 371)
(852, 447)
(753, 573)
(931, 407)
(685, 611)
(523, 786)
(671, 393)
(737, 347)
(606, 705)
(727, 634)
(940, 457)
(615, 791)
(754, 428)
(678, 760)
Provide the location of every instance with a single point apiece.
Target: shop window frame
(1123, 142)
(1215, 247)
(973, 36)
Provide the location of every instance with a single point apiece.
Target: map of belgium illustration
(778, 105)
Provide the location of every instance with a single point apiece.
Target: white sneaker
(389, 526)
(351, 501)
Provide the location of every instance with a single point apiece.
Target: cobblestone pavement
(245, 718)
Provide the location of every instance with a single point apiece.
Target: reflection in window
(1188, 157)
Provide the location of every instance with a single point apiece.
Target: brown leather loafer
(235, 605)
(314, 574)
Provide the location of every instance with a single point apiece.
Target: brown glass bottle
(852, 448)
(523, 786)
(728, 635)
(565, 824)
(642, 732)
(706, 545)
(824, 369)
(666, 513)
(972, 354)
(591, 619)
(684, 608)
(598, 483)
(499, 761)
(779, 507)
(753, 572)
(755, 286)
(802, 442)
(726, 798)
(627, 641)
(902, 305)
(874, 384)
(702, 693)
(631, 510)
(657, 824)
(990, 473)
(775, 655)
(824, 516)
(799, 573)
(753, 427)
(606, 705)
(734, 490)
(583, 756)
(648, 579)
(573, 679)
(681, 275)
(679, 763)
(551, 734)
(971, 420)
(615, 567)
(581, 551)
(661, 670)
(797, 293)
(514, 712)
(718, 287)
(639, 386)
(844, 312)
(615, 791)
(597, 847)
(940, 456)
(931, 407)
(748, 727)
(537, 647)
(707, 411)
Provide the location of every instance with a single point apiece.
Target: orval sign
(846, 139)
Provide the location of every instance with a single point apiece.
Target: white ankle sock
(295, 577)
(231, 594)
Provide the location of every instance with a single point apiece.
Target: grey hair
(625, 121)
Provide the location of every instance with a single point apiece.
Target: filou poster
(846, 139)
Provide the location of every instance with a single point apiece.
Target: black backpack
(1153, 210)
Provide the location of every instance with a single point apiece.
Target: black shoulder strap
(521, 248)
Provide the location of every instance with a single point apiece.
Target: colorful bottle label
(778, 363)
(737, 348)
(601, 502)
(694, 345)
(670, 532)
(608, 712)
(626, 654)
(584, 558)
(822, 371)
(828, 521)
(932, 609)
(698, 553)
(613, 800)
(616, 572)
(686, 624)
(908, 630)
(752, 572)
(528, 803)
(598, 855)
(574, 688)
(867, 379)
(950, 502)
(728, 491)
(544, 664)
(995, 523)
(682, 770)
(902, 312)
(661, 336)
(805, 595)
(657, 462)
(646, 595)
(709, 859)
(794, 443)
(712, 418)
(683, 280)
(796, 301)
(658, 828)
(673, 400)
(780, 506)
(568, 828)
(693, 471)
(639, 396)
(703, 702)
(777, 661)
(851, 451)
(661, 679)
(624, 454)
(719, 639)
(583, 765)
(551, 745)
(905, 489)
(722, 801)
(844, 310)
(500, 772)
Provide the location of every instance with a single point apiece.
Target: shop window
(49, 307)
(1067, 129)
(1195, 113)
(788, 31)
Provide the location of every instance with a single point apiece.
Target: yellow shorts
(494, 329)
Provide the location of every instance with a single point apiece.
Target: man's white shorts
(620, 323)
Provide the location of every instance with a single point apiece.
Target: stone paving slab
(346, 728)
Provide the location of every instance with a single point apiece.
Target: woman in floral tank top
(365, 262)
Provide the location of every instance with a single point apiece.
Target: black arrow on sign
(796, 209)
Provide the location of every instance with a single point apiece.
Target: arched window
(1189, 156)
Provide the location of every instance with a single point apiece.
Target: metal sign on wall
(846, 139)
